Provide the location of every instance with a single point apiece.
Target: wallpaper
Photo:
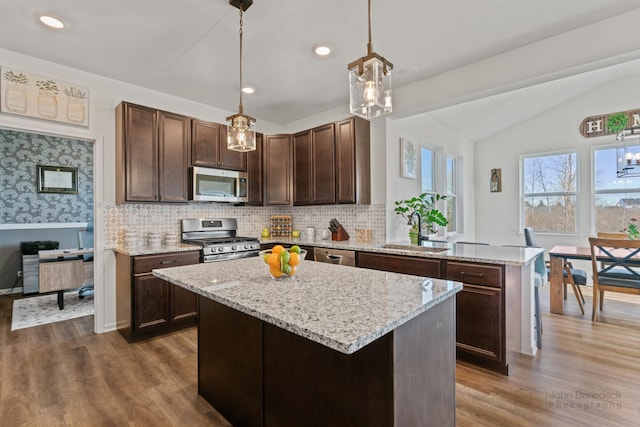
(20, 202)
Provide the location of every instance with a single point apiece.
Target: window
(617, 200)
(451, 192)
(428, 170)
(549, 192)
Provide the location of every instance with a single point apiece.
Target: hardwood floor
(63, 374)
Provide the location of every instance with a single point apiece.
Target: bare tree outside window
(550, 192)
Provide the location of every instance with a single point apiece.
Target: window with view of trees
(617, 199)
(550, 192)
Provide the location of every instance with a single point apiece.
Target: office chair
(570, 276)
(85, 240)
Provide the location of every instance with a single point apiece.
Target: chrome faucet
(416, 213)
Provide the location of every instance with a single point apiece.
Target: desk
(62, 269)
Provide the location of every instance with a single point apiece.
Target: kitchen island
(336, 345)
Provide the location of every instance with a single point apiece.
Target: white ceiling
(189, 48)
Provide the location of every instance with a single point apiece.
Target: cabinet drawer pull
(169, 261)
(463, 273)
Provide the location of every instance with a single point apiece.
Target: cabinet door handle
(170, 261)
(463, 273)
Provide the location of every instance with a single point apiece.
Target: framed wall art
(57, 179)
(41, 97)
(408, 164)
(495, 182)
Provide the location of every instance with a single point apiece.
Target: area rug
(40, 310)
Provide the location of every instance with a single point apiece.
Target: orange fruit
(293, 271)
(275, 271)
(294, 259)
(277, 249)
(274, 260)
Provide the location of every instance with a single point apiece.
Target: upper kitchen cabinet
(152, 155)
(209, 147)
(314, 174)
(277, 169)
(254, 171)
(353, 161)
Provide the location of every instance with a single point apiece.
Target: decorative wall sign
(57, 179)
(407, 158)
(609, 124)
(33, 95)
(495, 182)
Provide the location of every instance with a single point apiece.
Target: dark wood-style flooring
(63, 374)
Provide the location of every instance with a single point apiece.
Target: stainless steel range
(218, 239)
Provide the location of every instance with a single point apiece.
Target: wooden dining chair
(602, 235)
(621, 271)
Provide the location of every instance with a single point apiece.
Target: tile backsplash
(145, 218)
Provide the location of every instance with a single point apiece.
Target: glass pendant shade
(241, 134)
(370, 87)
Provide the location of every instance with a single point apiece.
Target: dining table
(558, 255)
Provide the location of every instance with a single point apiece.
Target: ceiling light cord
(369, 45)
(240, 107)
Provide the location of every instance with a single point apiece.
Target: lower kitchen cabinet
(147, 306)
(481, 336)
(399, 264)
(480, 322)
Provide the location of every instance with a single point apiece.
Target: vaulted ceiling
(189, 48)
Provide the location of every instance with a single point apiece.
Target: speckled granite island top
(343, 308)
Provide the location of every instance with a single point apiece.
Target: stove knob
(220, 249)
(247, 246)
(234, 247)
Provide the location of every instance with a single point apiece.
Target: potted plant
(424, 205)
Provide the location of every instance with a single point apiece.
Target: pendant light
(370, 83)
(628, 156)
(241, 134)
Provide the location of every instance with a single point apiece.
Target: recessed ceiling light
(248, 89)
(322, 50)
(52, 22)
(409, 71)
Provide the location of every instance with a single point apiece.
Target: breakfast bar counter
(335, 345)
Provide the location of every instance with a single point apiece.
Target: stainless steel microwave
(218, 185)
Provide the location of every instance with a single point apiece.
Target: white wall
(557, 129)
(105, 94)
(425, 130)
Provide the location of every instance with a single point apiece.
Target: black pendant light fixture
(370, 83)
(241, 134)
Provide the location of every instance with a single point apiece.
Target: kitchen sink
(415, 248)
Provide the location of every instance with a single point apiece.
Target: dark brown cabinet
(277, 169)
(314, 174)
(254, 173)
(480, 306)
(399, 264)
(209, 147)
(148, 306)
(353, 161)
(480, 323)
(152, 155)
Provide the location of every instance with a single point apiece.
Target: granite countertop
(502, 255)
(343, 308)
(146, 249)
